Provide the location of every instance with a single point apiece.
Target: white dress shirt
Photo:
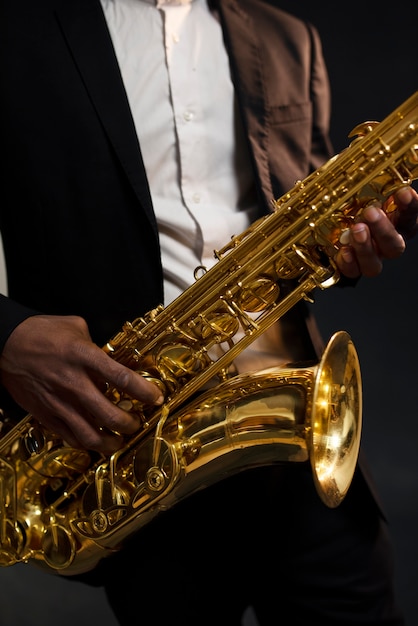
(176, 74)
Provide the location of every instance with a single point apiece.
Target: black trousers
(263, 539)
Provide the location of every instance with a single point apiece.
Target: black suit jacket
(79, 232)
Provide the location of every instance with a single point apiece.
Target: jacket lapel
(249, 82)
(85, 30)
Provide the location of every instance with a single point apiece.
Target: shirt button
(188, 116)
(196, 198)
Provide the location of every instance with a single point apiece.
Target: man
(139, 138)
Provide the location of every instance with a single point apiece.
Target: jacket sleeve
(11, 315)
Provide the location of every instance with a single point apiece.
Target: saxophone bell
(292, 413)
(336, 419)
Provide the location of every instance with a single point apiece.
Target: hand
(379, 235)
(54, 371)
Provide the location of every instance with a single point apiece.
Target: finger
(88, 419)
(406, 203)
(347, 262)
(82, 434)
(388, 243)
(124, 379)
(369, 262)
(106, 414)
(405, 196)
(136, 386)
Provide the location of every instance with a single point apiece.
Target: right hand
(54, 371)
(380, 235)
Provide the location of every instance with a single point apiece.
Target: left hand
(379, 235)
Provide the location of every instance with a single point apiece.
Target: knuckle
(92, 441)
(123, 378)
(121, 422)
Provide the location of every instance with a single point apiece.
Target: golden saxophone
(64, 509)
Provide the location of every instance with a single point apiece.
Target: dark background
(373, 66)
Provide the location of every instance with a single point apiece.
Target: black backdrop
(372, 58)
(373, 65)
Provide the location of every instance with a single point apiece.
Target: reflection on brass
(64, 509)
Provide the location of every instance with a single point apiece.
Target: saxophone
(65, 509)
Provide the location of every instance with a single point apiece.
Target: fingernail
(345, 236)
(372, 213)
(405, 195)
(359, 233)
(159, 401)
